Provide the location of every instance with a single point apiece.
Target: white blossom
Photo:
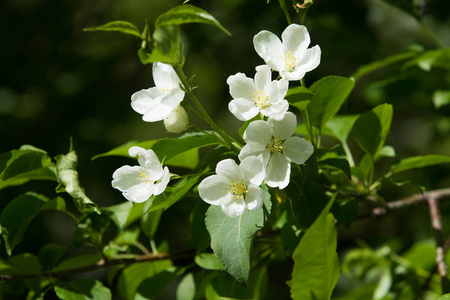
(177, 121)
(157, 103)
(138, 183)
(258, 95)
(291, 56)
(272, 142)
(235, 187)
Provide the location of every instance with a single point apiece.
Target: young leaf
(68, 182)
(231, 238)
(340, 126)
(416, 162)
(186, 288)
(208, 261)
(316, 264)
(339, 163)
(27, 163)
(167, 47)
(441, 98)
(151, 287)
(119, 26)
(329, 94)
(430, 59)
(82, 289)
(187, 14)
(124, 214)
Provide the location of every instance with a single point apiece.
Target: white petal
(234, 209)
(214, 189)
(228, 169)
(145, 100)
(158, 113)
(309, 60)
(243, 109)
(135, 151)
(164, 76)
(139, 193)
(295, 37)
(128, 180)
(163, 182)
(295, 75)
(253, 170)
(268, 46)
(284, 128)
(297, 149)
(276, 111)
(283, 86)
(177, 121)
(254, 197)
(241, 86)
(257, 135)
(263, 77)
(247, 151)
(172, 97)
(278, 171)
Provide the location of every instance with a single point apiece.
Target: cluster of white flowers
(270, 147)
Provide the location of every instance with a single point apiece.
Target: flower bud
(177, 121)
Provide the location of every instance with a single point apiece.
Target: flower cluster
(270, 147)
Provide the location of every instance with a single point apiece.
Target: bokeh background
(58, 82)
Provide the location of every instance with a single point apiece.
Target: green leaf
(299, 96)
(153, 286)
(441, 98)
(167, 47)
(82, 289)
(419, 162)
(119, 26)
(166, 148)
(341, 126)
(329, 94)
(231, 238)
(68, 182)
(27, 163)
(133, 275)
(306, 202)
(184, 14)
(25, 263)
(409, 6)
(431, 59)
(345, 211)
(186, 288)
(124, 214)
(444, 297)
(371, 129)
(18, 214)
(79, 261)
(208, 261)
(339, 163)
(150, 222)
(375, 66)
(50, 255)
(316, 263)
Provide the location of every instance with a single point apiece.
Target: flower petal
(247, 151)
(243, 109)
(285, 127)
(127, 180)
(278, 171)
(164, 76)
(234, 209)
(309, 59)
(253, 170)
(254, 197)
(145, 100)
(139, 193)
(241, 86)
(228, 169)
(268, 46)
(163, 182)
(295, 38)
(277, 110)
(214, 189)
(263, 77)
(257, 135)
(297, 149)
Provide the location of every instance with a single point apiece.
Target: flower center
(289, 60)
(144, 177)
(261, 99)
(237, 188)
(275, 145)
(166, 89)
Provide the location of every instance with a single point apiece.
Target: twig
(102, 263)
(436, 222)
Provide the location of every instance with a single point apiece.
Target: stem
(286, 13)
(348, 153)
(205, 116)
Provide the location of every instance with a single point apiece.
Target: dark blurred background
(58, 82)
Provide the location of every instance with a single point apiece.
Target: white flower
(177, 121)
(157, 103)
(291, 58)
(272, 142)
(138, 183)
(261, 95)
(235, 187)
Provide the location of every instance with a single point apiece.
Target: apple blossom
(157, 103)
(235, 187)
(138, 183)
(290, 57)
(177, 121)
(272, 142)
(258, 95)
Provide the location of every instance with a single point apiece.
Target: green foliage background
(57, 81)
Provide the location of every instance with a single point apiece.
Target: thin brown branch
(436, 222)
(100, 264)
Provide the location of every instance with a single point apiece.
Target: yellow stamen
(144, 177)
(275, 145)
(261, 99)
(290, 60)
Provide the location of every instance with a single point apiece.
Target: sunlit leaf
(119, 26)
(441, 98)
(186, 288)
(187, 14)
(316, 263)
(124, 214)
(419, 162)
(341, 126)
(82, 289)
(208, 261)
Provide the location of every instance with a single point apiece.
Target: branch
(411, 201)
(100, 264)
